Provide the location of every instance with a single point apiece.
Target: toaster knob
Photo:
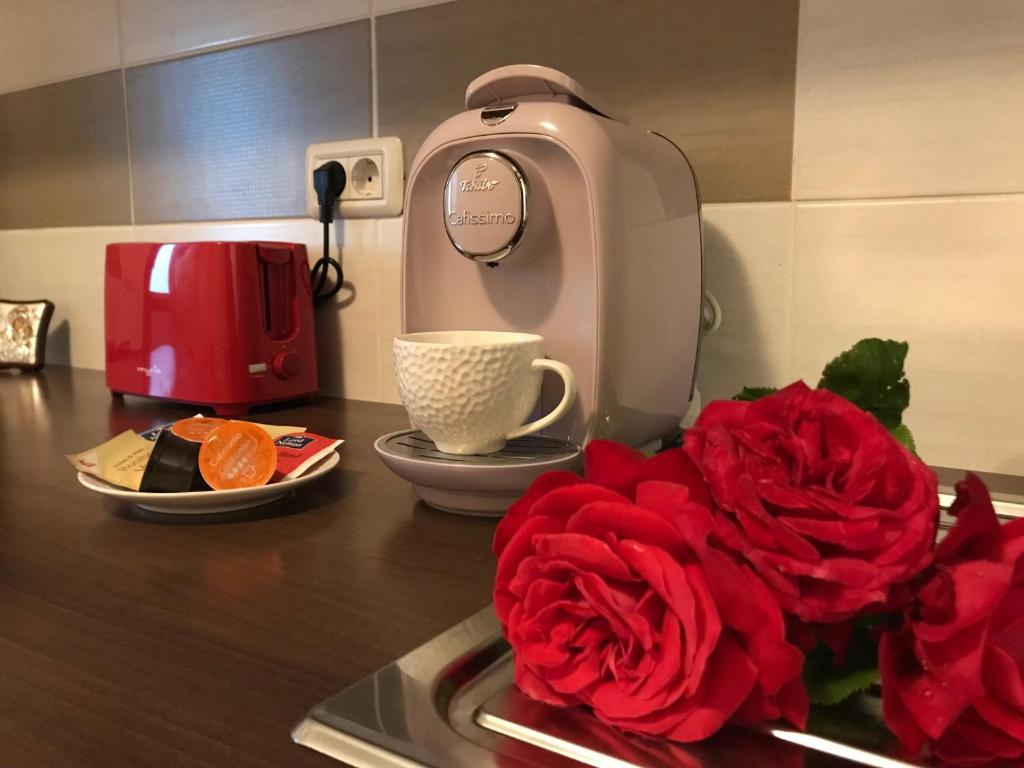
(285, 365)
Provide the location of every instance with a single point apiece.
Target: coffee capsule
(173, 466)
(195, 428)
(237, 454)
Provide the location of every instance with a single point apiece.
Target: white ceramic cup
(470, 391)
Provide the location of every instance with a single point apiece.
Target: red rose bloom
(828, 508)
(608, 603)
(952, 674)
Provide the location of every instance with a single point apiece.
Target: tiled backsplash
(64, 154)
(223, 135)
(715, 77)
(866, 180)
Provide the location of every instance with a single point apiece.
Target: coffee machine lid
(530, 82)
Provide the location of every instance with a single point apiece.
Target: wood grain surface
(129, 639)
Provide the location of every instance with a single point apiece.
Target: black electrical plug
(329, 183)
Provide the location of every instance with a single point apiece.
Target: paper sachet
(119, 461)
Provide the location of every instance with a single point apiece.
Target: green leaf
(829, 684)
(902, 434)
(870, 374)
(832, 690)
(749, 394)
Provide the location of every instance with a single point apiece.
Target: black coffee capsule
(173, 466)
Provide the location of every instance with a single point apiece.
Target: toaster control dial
(285, 365)
(485, 206)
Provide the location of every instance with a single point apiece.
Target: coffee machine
(538, 210)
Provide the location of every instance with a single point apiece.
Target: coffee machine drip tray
(474, 485)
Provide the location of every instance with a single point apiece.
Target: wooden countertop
(129, 641)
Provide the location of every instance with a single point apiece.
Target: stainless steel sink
(451, 703)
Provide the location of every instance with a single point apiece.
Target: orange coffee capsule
(195, 429)
(237, 454)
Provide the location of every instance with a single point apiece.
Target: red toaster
(222, 324)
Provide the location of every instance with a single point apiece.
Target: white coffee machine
(537, 210)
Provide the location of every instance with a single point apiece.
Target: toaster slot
(278, 284)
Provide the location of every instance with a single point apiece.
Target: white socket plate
(387, 150)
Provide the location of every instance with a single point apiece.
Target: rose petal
(1006, 626)
(584, 552)
(542, 593)
(765, 530)
(627, 521)
(730, 678)
(1012, 548)
(976, 741)
(789, 703)
(685, 592)
(674, 505)
(614, 606)
(519, 511)
(1002, 677)
(518, 547)
(621, 469)
(746, 605)
(976, 532)
(946, 685)
(979, 587)
(896, 663)
(534, 686)
(1001, 717)
(865, 534)
(583, 672)
(562, 503)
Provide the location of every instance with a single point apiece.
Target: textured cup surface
(468, 389)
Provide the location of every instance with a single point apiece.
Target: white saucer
(209, 502)
(478, 485)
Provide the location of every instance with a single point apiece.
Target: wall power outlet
(375, 176)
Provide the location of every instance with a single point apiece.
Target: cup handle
(569, 379)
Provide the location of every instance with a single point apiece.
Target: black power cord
(329, 183)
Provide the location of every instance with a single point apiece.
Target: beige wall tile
(47, 40)
(389, 306)
(347, 327)
(66, 267)
(157, 29)
(64, 154)
(717, 78)
(917, 97)
(223, 135)
(748, 254)
(945, 276)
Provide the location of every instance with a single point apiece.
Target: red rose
(829, 509)
(952, 674)
(613, 466)
(625, 608)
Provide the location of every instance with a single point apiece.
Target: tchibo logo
(479, 182)
(293, 441)
(150, 372)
